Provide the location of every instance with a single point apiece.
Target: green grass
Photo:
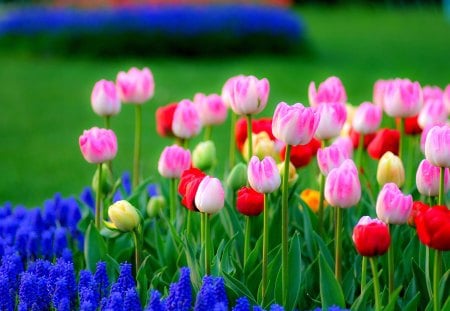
(46, 106)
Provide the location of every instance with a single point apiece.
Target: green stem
(249, 137)
(137, 247)
(360, 152)
(231, 154)
(108, 122)
(338, 244)
(137, 145)
(173, 195)
(207, 133)
(427, 272)
(441, 187)
(376, 284)
(98, 199)
(284, 225)
(202, 229)
(436, 279)
(265, 245)
(248, 229)
(207, 245)
(402, 140)
(363, 273)
(321, 197)
(188, 225)
(391, 268)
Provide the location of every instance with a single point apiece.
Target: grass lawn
(46, 101)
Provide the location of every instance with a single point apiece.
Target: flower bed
(189, 30)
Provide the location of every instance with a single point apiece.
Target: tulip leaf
(142, 279)
(330, 289)
(413, 303)
(361, 302)
(393, 299)
(446, 306)
(237, 287)
(444, 286)
(295, 272)
(94, 247)
(419, 279)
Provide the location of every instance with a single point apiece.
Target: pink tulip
(211, 108)
(228, 90)
(346, 144)
(173, 161)
(135, 86)
(186, 120)
(393, 207)
(427, 179)
(367, 118)
(332, 119)
(431, 92)
(294, 125)
(423, 135)
(402, 98)
(98, 145)
(437, 146)
(378, 92)
(342, 186)
(433, 112)
(105, 100)
(331, 157)
(263, 176)
(446, 97)
(331, 91)
(249, 95)
(210, 196)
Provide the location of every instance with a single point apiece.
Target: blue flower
(101, 278)
(242, 304)
(125, 281)
(6, 294)
(155, 303)
(131, 301)
(180, 293)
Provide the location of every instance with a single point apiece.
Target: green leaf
(295, 272)
(393, 299)
(94, 247)
(444, 285)
(419, 279)
(413, 303)
(238, 288)
(446, 306)
(142, 279)
(330, 289)
(361, 302)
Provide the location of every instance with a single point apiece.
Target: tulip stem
(376, 284)
(441, 186)
(248, 228)
(402, 140)
(436, 279)
(338, 244)
(284, 225)
(232, 140)
(98, 199)
(321, 197)
(390, 255)
(265, 245)
(360, 152)
(137, 247)
(207, 133)
(137, 144)
(207, 244)
(363, 273)
(173, 195)
(108, 122)
(427, 272)
(249, 136)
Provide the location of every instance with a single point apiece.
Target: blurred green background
(45, 101)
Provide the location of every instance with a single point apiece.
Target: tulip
(174, 160)
(294, 125)
(135, 86)
(431, 93)
(427, 179)
(390, 170)
(187, 188)
(300, 155)
(258, 126)
(263, 176)
(164, 119)
(446, 98)
(332, 119)
(124, 216)
(393, 207)
(331, 157)
(437, 146)
(384, 141)
(237, 177)
(105, 99)
(210, 196)
(98, 145)
(228, 90)
(342, 186)
(411, 125)
(417, 208)
(249, 95)
(262, 146)
(204, 155)
(371, 237)
(378, 92)
(211, 109)
(155, 205)
(355, 138)
(312, 199)
(293, 176)
(345, 143)
(249, 202)
(186, 120)
(329, 92)
(367, 118)
(433, 227)
(433, 112)
(402, 98)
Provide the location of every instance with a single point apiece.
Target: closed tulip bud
(393, 207)
(174, 160)
(107, 181)
(135, 86)
(105, 99)
(433, 112)
(293, 176)
(312, 198)
(263, 176)
(329, 92)
(437, 146)
(390, 169)
(332, 119)
(204, 155)
(427, 179)
(211, 109)
(98, 145)
(433, 227)
(124, 216)
(402, 98)
(431, 92)
(342, 186)
(423, 135)
(263, 146)
(345, 143)
(294, 125)
(155, 205)
(249, 95)
(331, 157)
(186, 120)
(385, 140)
(237, 177)
(300, 155)
(371, 237)
(367, 118)
(210, 197)
(249, 202)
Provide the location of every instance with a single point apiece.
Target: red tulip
(189, 182)
(249, 202)
(258, 126)
(164, 119)
(301, 155)
(354, 136)
(433, 227)
(371, 237)
(417, 208)
(412, 126)
(384, 141)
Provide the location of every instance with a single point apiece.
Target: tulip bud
(124, 216)
(433, 227)
(437, 146)
(263, 146)
(249, 202)
(263, 176)
(98, 145)
(342, 186)
(210, 197)
(427, 179)
(402, 98)
(329, 91)
(293, 176)
(237, 177)
(135, 86)
(204, 155)
(390, 169)
(107, 181)
(186, 120)
(155, 205)
(105, 99)
(371, 237)
(393, 207)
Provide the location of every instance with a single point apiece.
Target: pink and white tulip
(210, 196)
(186, 120)
(174, 160)
(330, 91)
(211, 109)
(249, 95)
(378, 92)
(423, 135)
(331, 157)
(393, 207)
(294, 125)
(98, 145)
(332, 119)
(228, 90)
(437, 146)
(433, 112)
(446, 98)
(135, 86)
(431, 93)
(367, 118)
(105, 99)
(427, 179)
(342, 185)
(402, 98)
(263, 176)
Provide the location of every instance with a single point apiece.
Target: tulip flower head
(427, 179)
(124, 216)
(135, 86)
(98, 145)
(263, 176)
(204, 155)
(258, 126)
(393, 207)
(186, 120)
(262, 146)
(330, 91)
(446, 98)
(228, 90)
(237, 177)
(385, 140)
(390, 169)
(300, 156)
(211, 109)
(312, 198)
(188, 186)
(342, 186)
(437, 146)
(367, 118)
(164, 119)
(294, 125)
(332, 119)
(174, 160)
(331, 157)
(249, 202)
(293, 176)
(210, 196)
(402, 98)
(248, 95)
(378, 92)
(344, 143)
(433, 227)
(105, 99)
(417, 208)
(371, 237)
(433, 112)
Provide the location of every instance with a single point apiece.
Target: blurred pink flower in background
(173, 161)
(228, 90)
(393, 207)
(105, 99)
(332, 119)
(135, 86)
(446, 98)
(211, 109)
(98, 145)
(402, 98)
(427, 179)
(378, 92)
(431, 92)
(367, 118)
(342, 185)
(186, 120)
(433, 112)
(330, 91)
(331, 157)
(437, 146)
